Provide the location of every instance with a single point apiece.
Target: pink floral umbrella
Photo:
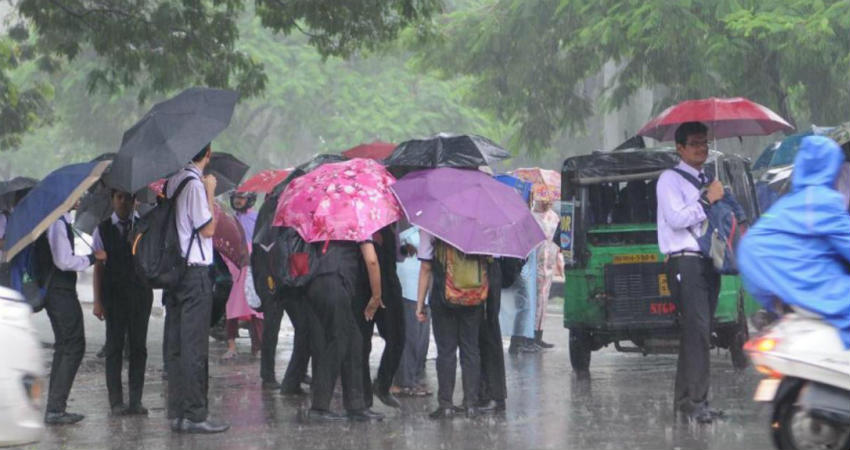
(546, 184)
(344, 201)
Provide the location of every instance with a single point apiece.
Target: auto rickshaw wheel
(581, 345)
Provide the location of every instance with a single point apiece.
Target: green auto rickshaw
(615, 287)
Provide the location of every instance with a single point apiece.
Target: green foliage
(531, 59)
(23, 104)
(311, 104)
(163, 45)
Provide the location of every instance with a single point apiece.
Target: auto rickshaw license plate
(663, 288)
(634, 258)
(766, 390)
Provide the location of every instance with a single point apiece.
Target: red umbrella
(264, 181)
(376, 150)
(725, 117)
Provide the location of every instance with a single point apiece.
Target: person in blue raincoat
(798, 253)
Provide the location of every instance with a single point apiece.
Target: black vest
(119, 275)
(61, 278)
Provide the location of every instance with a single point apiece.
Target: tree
(163, 45)
(23, 105)
(531, 58)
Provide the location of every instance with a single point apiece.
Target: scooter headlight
(761, 344)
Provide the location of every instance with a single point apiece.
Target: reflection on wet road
(625, 404)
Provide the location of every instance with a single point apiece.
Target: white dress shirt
(62, 249)
(193, 213)
(97, 241)
(678, 210)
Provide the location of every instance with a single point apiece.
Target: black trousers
(127, 314)
(457, 328)
(390, 322)
(295, 306)
(298, 311)
(335, 343)
(188, 311)
(493, 382)
(272, 315)
(694, 285)
(66, 319)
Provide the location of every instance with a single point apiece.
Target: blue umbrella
(523, 188)
(47, 201)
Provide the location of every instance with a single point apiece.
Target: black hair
(116, 191)
(202, 153)
(688, 129)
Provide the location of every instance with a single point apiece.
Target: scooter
(808, 382)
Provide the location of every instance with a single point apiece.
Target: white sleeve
(97, 242)
(673, 208)
(426, 246)
(197, 207)
(63, 257)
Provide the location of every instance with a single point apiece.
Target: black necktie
(125, 227)
(702, 179)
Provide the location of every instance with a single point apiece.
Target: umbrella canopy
(169, 135)
(345, 201)
(228, 171)
(264, 181)
(546, 184)
(229, 238)
(445, 150)
(11, 190)
(376, 150)
(469, 210)
(725, 117)
(55, 195)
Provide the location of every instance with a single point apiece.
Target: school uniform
(127, 305)
(454, 328)
(189, 305)
(493, 380)
(64, 311)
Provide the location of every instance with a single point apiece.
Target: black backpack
(157, 256)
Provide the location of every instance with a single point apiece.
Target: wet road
(626, 403)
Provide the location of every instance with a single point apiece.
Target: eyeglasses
(697, 144)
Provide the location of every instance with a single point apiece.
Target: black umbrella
(169, 135)
(13, 190)
(228, 170)
(445, 150)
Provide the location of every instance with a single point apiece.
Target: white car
(21, 373)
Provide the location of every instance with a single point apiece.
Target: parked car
(21, 373)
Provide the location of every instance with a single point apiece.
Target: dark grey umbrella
(13, 190)
(169, 135)
(228, 171)
(446, 150)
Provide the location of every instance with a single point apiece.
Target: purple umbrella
(469, 210)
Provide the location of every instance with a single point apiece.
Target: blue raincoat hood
(799, 250)
(817, 163)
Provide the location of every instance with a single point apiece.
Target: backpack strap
(690, 178)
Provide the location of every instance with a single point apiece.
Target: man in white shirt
(65, 314)
(189, 305)
(694, 283)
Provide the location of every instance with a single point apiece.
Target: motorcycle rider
(798, 253)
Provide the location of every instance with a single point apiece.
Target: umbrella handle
(79, 235)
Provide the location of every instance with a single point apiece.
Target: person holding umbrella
(39, 230)
(189, 305)
(694, 283)
(124, 302)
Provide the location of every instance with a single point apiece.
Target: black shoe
(292, 391)
(699, 415)
(444, 412)
(473, 412)
(271, 385)
(365, 415)
(176, 424)
(716, 413)
(538, 340)
(385, 397)
(492, 406)
(62, 418)
(528, 346)
(323, 415)
(208, 426)
(118, 410)
(136, 410)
